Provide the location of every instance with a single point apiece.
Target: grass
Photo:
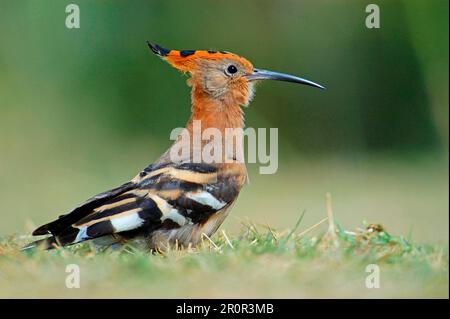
(305, 261)
(409, 196)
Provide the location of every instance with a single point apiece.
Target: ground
(303, 262)
(408, 196)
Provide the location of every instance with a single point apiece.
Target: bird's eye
(231, 69)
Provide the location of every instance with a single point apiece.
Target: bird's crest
(185, 60)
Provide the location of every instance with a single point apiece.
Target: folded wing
(164, 196)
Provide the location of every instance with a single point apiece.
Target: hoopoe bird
(175, 202)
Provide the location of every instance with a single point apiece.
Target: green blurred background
(83, 110)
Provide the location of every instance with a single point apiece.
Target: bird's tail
(46, 244)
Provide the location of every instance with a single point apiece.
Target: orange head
(221, 75)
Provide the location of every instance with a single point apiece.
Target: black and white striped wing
(168, 196)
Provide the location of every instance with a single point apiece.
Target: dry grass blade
(309, 229)
(331, 233)
(227, 239)
(211, 241)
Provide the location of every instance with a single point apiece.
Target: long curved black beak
(260, 74)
